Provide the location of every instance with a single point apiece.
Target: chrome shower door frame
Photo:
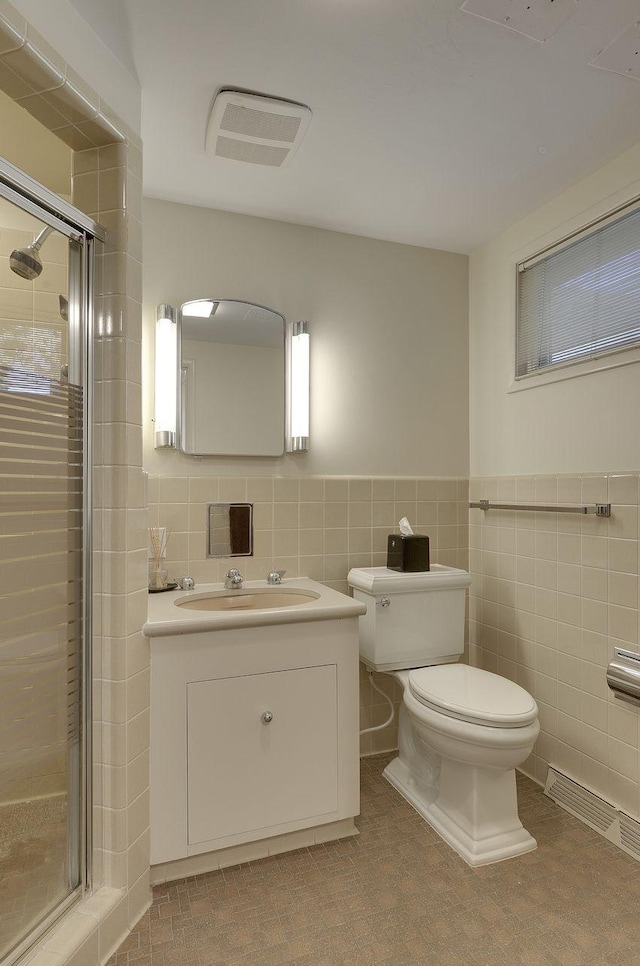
(34, 198)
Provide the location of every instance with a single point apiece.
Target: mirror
(231, 396)
(229, 529)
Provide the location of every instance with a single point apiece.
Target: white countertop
(165, 618)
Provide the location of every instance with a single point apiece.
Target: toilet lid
(473, 695)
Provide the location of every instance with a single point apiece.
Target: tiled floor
(33, 864)
(396, 894)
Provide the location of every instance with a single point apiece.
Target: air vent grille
(248, 151)
(615, 825)
(621, 56)
(259, 124)
(582, 803)
(255, 129)
(537, 19)
(630, 835)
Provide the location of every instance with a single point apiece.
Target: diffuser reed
(158, 550)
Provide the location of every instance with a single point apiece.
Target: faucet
(275, 577)
(233, 579)
(185, 583)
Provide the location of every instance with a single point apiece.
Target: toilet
(462, 731)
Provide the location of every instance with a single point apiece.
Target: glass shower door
(41, 572)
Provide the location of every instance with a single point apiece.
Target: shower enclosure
(46, 255)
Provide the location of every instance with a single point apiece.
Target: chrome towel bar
(600, 509)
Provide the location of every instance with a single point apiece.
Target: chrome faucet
(275, 577)
(233, 579)
(185, 583)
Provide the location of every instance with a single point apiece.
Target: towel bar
(600, 509)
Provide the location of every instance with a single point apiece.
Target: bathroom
(549, 599)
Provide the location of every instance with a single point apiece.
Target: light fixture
(298, 388)
(200, 308)
(166, 375)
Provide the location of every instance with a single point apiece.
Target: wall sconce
(166, 376)
(298, 388)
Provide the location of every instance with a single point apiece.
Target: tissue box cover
(408, 553)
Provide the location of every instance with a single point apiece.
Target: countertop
(165, 618)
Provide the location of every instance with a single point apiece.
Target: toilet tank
(412, 619)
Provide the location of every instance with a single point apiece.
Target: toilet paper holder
(623, 675)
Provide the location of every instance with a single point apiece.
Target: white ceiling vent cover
(255, 129)
(537, 19)
(622, 56)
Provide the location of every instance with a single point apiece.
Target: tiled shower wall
(106, 184)
(33, 695)
(552, 594)
(317, 527)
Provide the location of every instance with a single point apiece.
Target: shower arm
(39, 240)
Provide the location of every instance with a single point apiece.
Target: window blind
(41, 484)
(581, 301)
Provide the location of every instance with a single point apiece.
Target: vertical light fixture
(298, 388)
(166, 376)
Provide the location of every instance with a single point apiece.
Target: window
(582, 299)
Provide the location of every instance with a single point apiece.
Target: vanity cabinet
(254, 735)
(281, 765)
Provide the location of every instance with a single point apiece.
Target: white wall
(584, 424)
(389, 336)
(60, 24)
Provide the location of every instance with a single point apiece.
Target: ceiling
(431, 126)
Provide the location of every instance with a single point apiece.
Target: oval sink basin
(263, 598)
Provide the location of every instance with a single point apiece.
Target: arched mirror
(231, 396)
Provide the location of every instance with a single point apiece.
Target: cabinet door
(245, 774)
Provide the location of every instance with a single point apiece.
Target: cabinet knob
(384, 602)
(267, 717)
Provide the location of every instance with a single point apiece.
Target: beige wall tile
(623, 489)
(576, 595)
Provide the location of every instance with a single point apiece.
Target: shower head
(25, 262)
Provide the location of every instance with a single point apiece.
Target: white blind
(581, 301)
(41, 486)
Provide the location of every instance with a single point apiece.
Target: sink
(214, 607)
(262, 598)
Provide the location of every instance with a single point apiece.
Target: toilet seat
(473, 695)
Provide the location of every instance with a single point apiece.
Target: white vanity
(254, 722)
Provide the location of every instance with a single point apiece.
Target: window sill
(573, 370)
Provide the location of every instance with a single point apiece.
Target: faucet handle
(185, 583)
(233, 579)
(275, 577)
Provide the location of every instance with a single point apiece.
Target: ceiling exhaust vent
(537, 19)
(255, 129)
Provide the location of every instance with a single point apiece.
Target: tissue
(407, 551)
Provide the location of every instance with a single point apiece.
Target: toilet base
(478, 839)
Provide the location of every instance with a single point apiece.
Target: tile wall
(317, 527)
(552, 594)
(106, 184)
(32, 694)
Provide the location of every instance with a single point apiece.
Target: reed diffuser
(157, 554)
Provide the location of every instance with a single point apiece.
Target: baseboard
(251, 851)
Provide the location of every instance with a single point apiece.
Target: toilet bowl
(462, 731)
(463, 734)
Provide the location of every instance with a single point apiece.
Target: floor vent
(600, 815)
(630, 835)
(597, 813)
